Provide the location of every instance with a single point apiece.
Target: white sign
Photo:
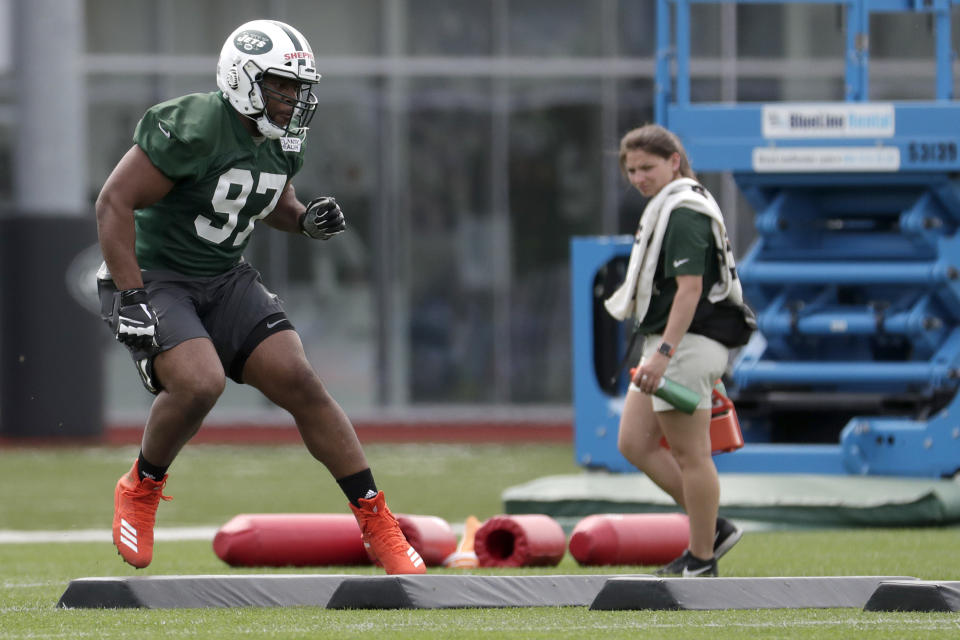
(823, 159)
(290, 143)
(828, 120)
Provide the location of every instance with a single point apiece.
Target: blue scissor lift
(855, 273)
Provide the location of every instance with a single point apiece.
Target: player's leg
(193, 380)
(278, 367)
(257, 346)
(639, 442)
(187, 378)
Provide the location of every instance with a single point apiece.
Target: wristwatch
(666, 349)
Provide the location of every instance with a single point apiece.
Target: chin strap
(270, 129)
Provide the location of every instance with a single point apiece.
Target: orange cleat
(134, 513)
(383, 540)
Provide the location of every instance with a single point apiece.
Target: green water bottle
(681, 397)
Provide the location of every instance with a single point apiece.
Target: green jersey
(224, 181)
(688, 250)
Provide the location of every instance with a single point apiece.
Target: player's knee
(298, 386)
(199, 390)
(210, 390)
(309, 387)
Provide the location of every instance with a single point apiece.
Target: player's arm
(133, 184)
(286, 214)
(320, 219)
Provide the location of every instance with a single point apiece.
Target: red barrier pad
(290, 539)
(530, 540)
(431, 536)
(630, 539)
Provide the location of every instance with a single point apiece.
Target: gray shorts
(697, 364)
(234, 310)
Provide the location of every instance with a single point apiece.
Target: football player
(174, 218)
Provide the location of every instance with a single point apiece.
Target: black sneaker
(728, 534)
(675, 568)
(689, 566)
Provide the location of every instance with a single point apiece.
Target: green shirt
(688, 249)
(224, 181)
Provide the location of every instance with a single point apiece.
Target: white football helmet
(263, 47)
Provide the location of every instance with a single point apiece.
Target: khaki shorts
(696, 364)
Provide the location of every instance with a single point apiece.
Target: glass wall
(467, 141)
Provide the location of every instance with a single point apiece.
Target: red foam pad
(530, 540)
(291, 539)
(431, 536)
(633, 539)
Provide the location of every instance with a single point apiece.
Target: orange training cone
(465, 557)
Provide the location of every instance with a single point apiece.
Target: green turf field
(64, 489)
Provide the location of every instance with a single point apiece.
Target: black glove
(135, 322)
(323, 219)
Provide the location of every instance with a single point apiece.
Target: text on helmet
(295, 55)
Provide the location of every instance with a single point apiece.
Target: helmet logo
(233, 78)
(253, 41)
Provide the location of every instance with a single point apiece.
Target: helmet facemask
(304, 103)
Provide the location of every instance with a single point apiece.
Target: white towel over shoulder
(633, 296)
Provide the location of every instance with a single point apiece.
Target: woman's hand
(648, 373)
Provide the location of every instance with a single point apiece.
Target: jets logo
(253, 41)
